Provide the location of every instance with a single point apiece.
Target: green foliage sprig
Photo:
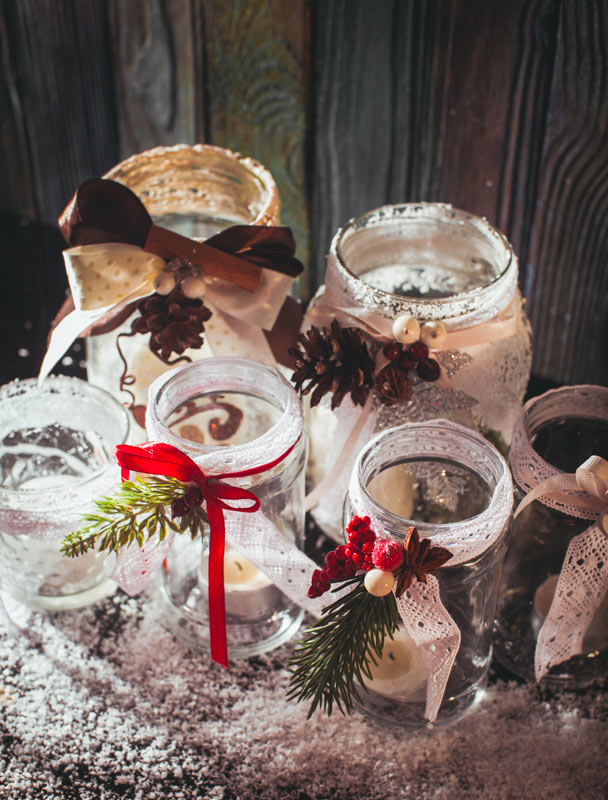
(136, 512)
(337, 651)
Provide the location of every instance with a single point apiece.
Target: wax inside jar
(240, 574)
(400, 672)
(430, 490)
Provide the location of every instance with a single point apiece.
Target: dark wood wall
(499, 107)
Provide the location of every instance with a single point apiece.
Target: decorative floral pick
(335, 656)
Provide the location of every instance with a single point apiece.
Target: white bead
(379, 582)
(406, 329)
(164, 283)
(433, 334)
(193, 287)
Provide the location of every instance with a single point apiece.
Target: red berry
(193, 497)
(349, 569)
(330, 559)
(419, 351)
(392, 350)
(407, 361)
(316, 574)
(428, 370)
(332, 573)
(324, 587)
(368, 547)
(314, 592)
(387, 555)
(340, 552)
(348, 551)
(179, 507)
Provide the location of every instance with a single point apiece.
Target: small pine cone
(392, 385)
(174, 322)
(333, 361)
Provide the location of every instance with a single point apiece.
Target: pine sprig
(336, 652)
(136, 512)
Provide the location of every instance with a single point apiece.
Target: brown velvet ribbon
(106, 211)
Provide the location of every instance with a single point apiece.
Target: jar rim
(55, 385)
(454, 305)
(169, 158)
(267, 379)
(439, 429)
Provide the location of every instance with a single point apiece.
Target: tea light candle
(543, 597)
(400, 672)
(393, 489)
(248, 592)
(596, 636)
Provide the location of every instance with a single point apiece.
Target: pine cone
(173, 321)
(335, 361)
(393, 385)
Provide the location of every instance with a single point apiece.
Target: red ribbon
(158, 458)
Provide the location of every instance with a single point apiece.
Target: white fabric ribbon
(104, 278)
(583, 580)
(426, 619)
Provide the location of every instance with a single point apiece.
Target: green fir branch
(138, 511)
(336, 653)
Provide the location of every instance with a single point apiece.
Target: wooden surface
(498, 108)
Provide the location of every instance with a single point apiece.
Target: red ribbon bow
(157, 458)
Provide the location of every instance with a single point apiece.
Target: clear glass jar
(56, 457)
(435, 263)
(456, 489)
(563, 427)
(222, 411)
(196, 191)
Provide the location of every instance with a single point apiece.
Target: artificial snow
(105, 703)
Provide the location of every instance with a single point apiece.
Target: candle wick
(238, 565)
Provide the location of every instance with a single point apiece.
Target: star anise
(174, 322)
(334, 361)
(421, 559)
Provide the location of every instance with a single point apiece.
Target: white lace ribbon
(583, 580)
(252, 534)
(426, 619)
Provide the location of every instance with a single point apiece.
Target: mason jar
(455, 488)
(438, 265)
(229, 415)
(56, 457)
(196, 191)
(556, 434)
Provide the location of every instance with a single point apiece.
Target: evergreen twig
(136, 512)
(336, 652)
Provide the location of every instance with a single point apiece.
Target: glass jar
(456, 489)
(224, 413)
(196, 191)
(57, 456)
(437, 264)
(557, 432)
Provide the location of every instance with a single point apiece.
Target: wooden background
(497, 106)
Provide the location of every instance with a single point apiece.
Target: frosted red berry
(388, 555)
(179, 507)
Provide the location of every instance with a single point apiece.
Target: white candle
(400, 673)
(248, 592)
(596, 635)
(393, 489)
(543, 596)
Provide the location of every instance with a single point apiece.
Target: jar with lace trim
(433, 291)
(56, 455)
(455, 487)
(196, 191)
(236, 416)
(553, 618)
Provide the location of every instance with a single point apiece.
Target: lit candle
(543, 597)
(248, 592)
(400, 673)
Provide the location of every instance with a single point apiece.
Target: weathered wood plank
(158, 73)
(62, 71)
(568, 254)
(257, 93)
